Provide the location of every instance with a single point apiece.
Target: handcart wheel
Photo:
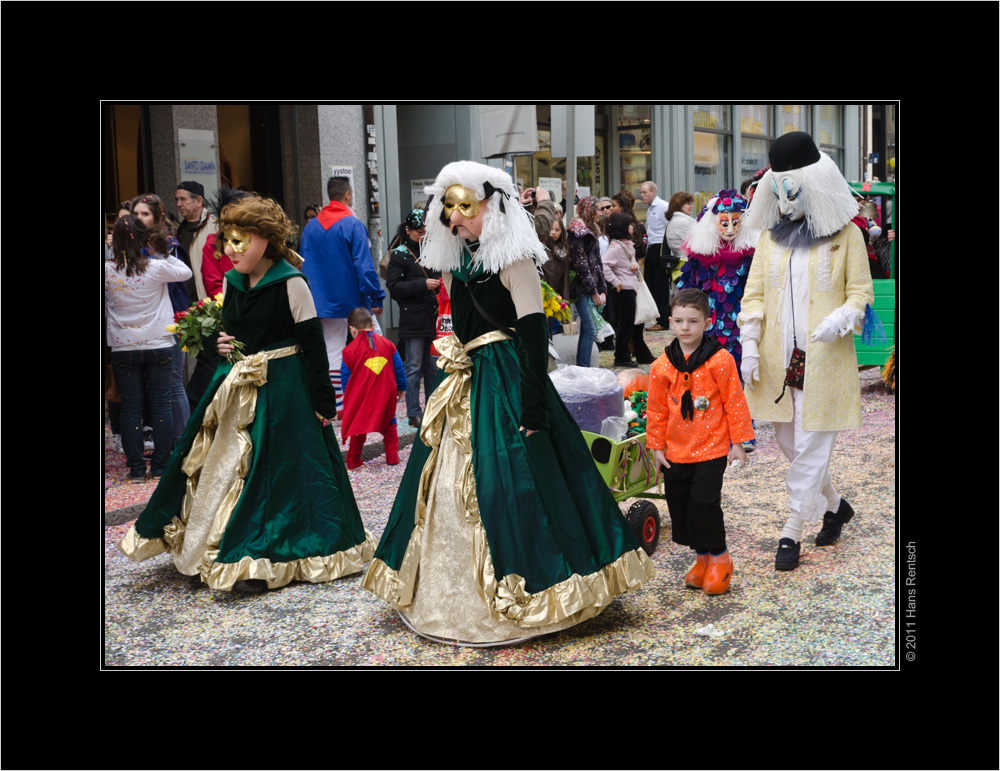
(644, 520)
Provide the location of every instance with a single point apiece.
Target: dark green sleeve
(533, 354)
(309, 333)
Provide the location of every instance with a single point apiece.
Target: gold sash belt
(451, 400)
(238, 393)
(238, 390)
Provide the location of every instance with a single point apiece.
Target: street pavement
(838, 609)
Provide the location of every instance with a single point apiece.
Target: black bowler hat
(794, 150)
(194, 188)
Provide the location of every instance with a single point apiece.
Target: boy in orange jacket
(697, 421)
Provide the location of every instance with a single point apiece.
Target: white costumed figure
(808, 289)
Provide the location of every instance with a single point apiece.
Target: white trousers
(335, 335)
(810, 486)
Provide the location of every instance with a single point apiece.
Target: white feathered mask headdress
(829, 202)
(508, 229)
(705, 238)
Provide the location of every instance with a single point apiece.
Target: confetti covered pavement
(838, 609)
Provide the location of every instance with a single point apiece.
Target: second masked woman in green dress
(502, 528)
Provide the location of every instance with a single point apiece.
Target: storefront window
(755, 120)
(712, 151)
(635, 158)
(756, 127)
(541, 169)
(792, 117)
(711, 116)
(754, 157)
(831, 132)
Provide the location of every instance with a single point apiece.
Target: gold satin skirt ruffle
(223, 576)
(215, 466)
(447, 588)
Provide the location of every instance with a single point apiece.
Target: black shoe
(250, 586)
(414, 421)
(833, 522)
(624, 363)
(788, 554)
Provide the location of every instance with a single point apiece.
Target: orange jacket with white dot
(724, 420)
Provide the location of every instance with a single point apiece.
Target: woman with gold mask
(256, 494)
(502, 528)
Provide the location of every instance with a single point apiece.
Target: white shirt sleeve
(168, 269)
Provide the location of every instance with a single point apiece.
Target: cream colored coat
(838, 275)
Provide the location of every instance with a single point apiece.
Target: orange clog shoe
(696, 575)
(720, 570)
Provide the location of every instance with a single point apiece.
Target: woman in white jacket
(679, 225)
(138, 313)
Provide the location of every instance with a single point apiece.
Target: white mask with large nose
(787, 188)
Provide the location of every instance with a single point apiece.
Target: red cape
(370, 396)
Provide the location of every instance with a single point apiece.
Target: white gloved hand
(750, 369)
(826, 332)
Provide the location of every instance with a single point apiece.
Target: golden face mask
(462, 199)
(238, 240)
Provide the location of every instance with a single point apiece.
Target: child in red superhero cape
(373, 379)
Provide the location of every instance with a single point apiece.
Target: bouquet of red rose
(201, 320)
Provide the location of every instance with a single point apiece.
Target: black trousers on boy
(694, 497)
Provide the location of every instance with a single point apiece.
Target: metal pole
(570, 164)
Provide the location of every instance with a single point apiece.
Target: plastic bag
(604, 329)
(614, 428)
(590, 395)
(646, 309)
(572, 380)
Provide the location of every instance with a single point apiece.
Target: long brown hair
(161, 230)
(159, 210)
(127, 240)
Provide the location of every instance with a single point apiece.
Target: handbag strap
(416, 261)
(791, 295)
(493, 322)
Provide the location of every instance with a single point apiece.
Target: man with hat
(809, 287)
(196, 226)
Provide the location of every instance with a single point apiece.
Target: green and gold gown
(256, 488)
(496, 536)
